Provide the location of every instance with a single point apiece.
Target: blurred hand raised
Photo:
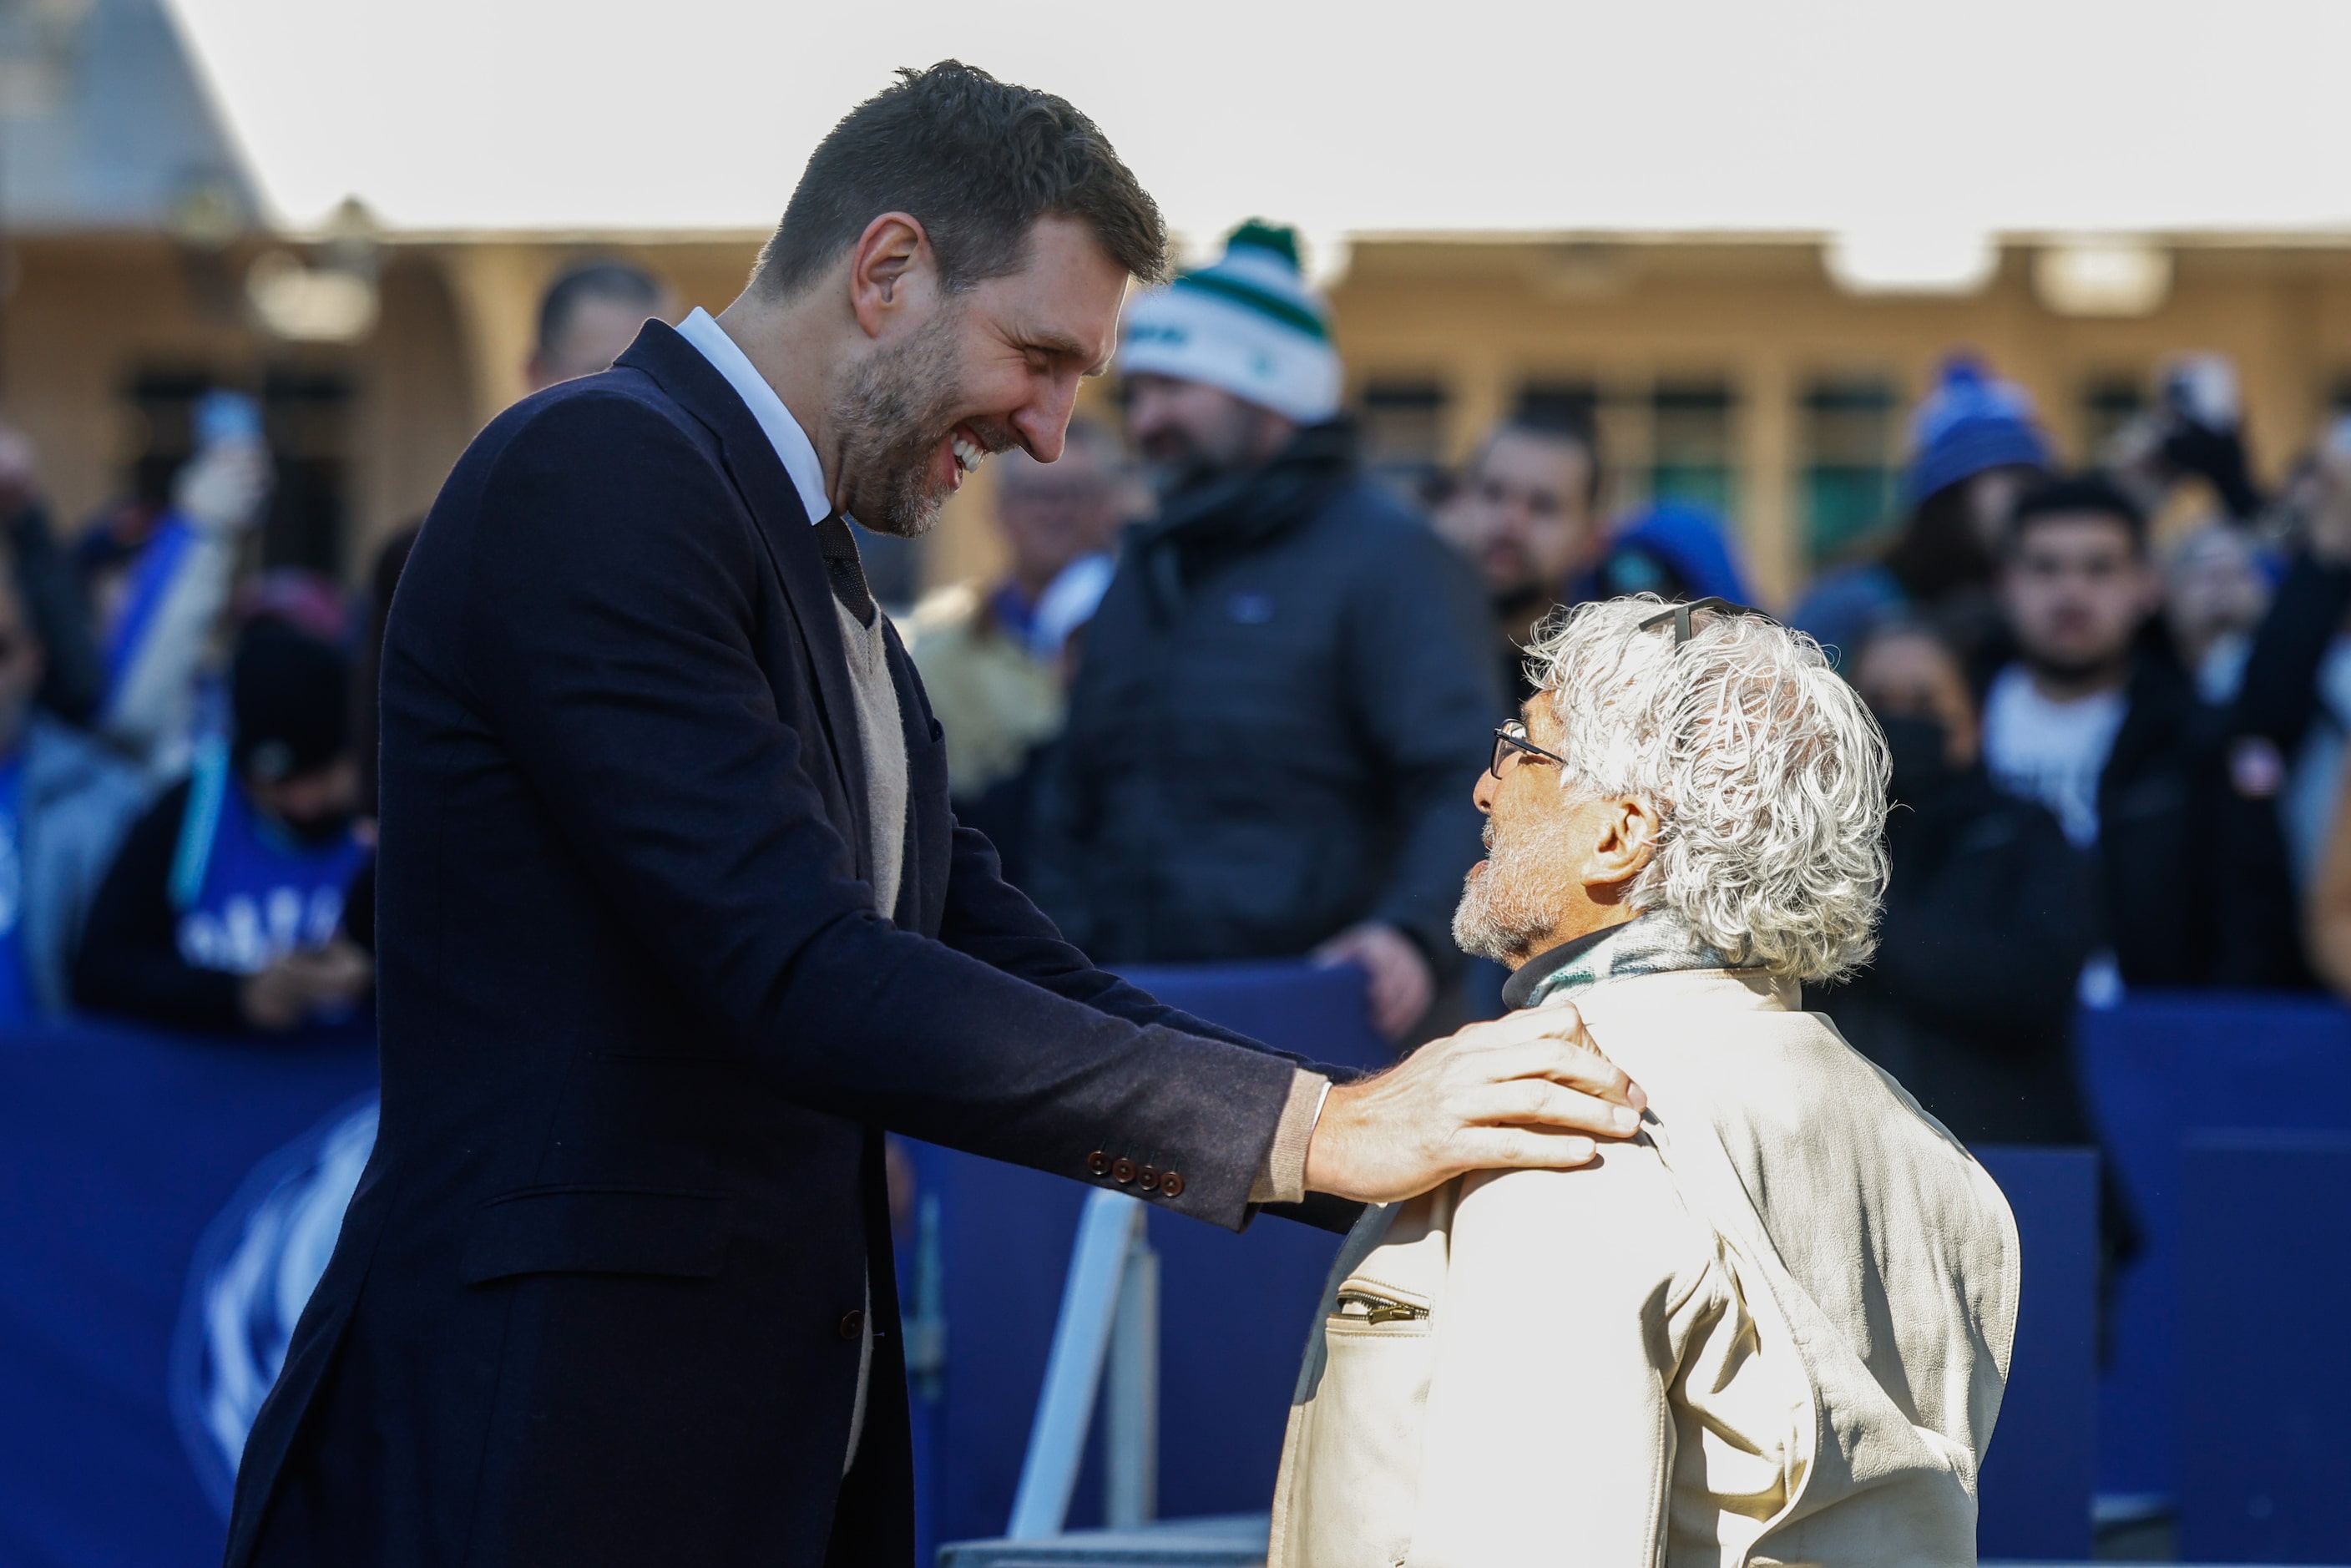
(222, 490)
(1526, 1091)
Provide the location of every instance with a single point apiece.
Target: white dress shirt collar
(783, 432)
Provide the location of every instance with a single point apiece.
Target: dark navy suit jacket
(595, 1300)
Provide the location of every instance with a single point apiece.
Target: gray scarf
(1652, 944)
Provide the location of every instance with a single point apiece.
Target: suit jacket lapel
(784, 525)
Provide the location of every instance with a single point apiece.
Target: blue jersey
(246, 892)
(16, 1008)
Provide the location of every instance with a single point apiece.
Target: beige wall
(89, 315)
(82, 316)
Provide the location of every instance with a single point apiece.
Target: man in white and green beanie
(1279, 710)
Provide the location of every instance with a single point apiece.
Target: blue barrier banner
(2264, 1369)
(166, 1203)
(170, 1202)
(2159, 1068)
(164, 1208)
(2038, 1475)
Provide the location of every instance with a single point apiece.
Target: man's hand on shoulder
(1530, 1091)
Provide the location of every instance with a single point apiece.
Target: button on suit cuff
(1282, 1177)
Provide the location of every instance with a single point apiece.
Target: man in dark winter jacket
(1285, 697)
(2292, 710)
(2097, 720)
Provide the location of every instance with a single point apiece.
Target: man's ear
(1624, 843)
(889, 265)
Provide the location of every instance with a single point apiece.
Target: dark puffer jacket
(2193, 884)
(1970, 1002)
(1284, 705)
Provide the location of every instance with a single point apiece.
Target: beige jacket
(1774, 1329)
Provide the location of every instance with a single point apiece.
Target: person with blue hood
(1976, 447)
(1675, 549)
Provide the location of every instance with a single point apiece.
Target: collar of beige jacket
(1743, 991)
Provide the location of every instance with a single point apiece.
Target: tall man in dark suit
(675, 919)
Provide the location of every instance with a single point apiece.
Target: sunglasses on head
(1680, 614)
(1510, 739)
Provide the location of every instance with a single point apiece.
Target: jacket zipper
(1359, 1306)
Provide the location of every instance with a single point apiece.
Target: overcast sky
(1365, 117)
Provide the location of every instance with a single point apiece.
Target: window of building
(2338, 396)
(2109, 402)
(1690, 444)
(1402, 422)
(1575, 404)
(306, 416)
(1849, 437)
(164, 402)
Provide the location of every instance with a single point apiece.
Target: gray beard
(1510, 905)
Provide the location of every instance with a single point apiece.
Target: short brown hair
(977, 162)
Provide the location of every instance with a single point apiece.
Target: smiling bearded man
(1774, 1326)
(675, 919)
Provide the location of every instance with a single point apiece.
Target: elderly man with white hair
(1772, 1327)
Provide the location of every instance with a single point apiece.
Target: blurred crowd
(1230, 694)
(187, 736)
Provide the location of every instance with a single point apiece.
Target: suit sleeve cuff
(1282, 1177)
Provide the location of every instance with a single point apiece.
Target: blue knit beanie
(1969, 422)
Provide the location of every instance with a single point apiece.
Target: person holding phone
(225, 911)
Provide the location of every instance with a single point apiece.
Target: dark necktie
(839, 548)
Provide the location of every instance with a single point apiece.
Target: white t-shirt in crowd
(2052, 752)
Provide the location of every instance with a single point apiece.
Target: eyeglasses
(1512, 739)
(1680, 614)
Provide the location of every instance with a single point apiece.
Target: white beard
(1510, 904)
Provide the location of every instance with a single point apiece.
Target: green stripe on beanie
(1240, 291)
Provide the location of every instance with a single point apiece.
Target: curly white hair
(1765, 768)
